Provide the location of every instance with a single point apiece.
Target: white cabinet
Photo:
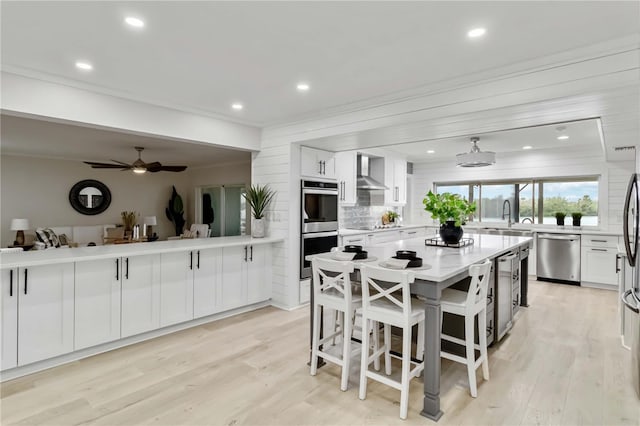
(97, 302)
(246, 275)
(406, 234)
(9, 318)
(176, 287)
(382, 237)
(598, 261)
(346, 172)
(207, 277)
(395, 178)
(317, 163)
(45, 312)
(140, 294)
(358, 240)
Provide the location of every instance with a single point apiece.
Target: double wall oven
(319, 220)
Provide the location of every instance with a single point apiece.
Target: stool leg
(406, 368)
(346, 349)
(335, 318)
(471, 356)
(375, 330)
(482, 339)
(364, 360)
(387, 349)
(420, 342)
(315, 339)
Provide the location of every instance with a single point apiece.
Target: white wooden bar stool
(332, 289)
(386, 298)
(469, 304)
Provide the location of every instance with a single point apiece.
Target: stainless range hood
(365, 181)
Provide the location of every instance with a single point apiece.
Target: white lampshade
(149, 220)
(19, 224)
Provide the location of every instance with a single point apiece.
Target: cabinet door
(45, 312)
(9, 318)
(309, 162)
(346, 170)
(328, 164)
(234, 277)
(176, 287)
(207, 276)
(259, 274)
(389, 182)
(598, 265)
(97, 302)
(140, 294)
(400, 181)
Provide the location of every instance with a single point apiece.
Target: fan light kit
(137, 166)
(476, 158)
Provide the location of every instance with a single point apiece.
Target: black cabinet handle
(198, 259)
(11, 283)
(117, 269)
(251, 257)
(26, 271)
(245, 253)
(127, 273)
(617, 265)
(191, 260)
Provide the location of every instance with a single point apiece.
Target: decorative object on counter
(148, 222)
(19, 225)
(48, 237)
(577, 216)
(90, 197)
(439, 242)
(175, 211)
(451, 211)
(258, 198)
(129, 219)
(389, 217)
(560, 218)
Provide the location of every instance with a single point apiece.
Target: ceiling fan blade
(107, 165)
(161, 168)
(122, 162)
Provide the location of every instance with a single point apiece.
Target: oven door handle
(320, 235)
(328, 191)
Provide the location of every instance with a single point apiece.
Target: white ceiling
(37, 138)
(203, 56)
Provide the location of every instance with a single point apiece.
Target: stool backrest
(480, 274)
(331, 276)
(386, 286)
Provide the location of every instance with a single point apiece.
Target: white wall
(533, 164)
(38, 189)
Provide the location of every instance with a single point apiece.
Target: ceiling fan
(137, 166)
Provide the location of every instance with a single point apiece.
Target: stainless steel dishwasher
(558, 258)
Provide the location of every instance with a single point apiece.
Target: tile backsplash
(363, 216)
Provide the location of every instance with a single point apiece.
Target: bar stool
(332, 289)
(386, 298)
(469, 304)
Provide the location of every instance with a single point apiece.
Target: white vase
(257, 228)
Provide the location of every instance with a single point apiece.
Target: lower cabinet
(140, 294)
(207, 278)
(598, 265)
(45, 312)
(98, 291)
(246, 275)
(9, 318)
(176, 287)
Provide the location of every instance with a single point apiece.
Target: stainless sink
(507, 232)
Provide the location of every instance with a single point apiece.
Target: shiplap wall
(534, 164)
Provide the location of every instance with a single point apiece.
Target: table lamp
(19, 225)
(149, 222)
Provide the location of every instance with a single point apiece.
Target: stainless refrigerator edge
(631, 297)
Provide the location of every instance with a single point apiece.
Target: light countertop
(78, 254)
(372, 231)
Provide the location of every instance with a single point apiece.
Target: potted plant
(576, 218)
(451, 211)
(175, 211)
(129, 219)
(258, 198)
(560, 218)
(389, 217)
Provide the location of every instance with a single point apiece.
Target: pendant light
(475, 157)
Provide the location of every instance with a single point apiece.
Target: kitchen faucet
(527, 219)
(508, 204)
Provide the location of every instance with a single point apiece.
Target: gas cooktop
(374, 227)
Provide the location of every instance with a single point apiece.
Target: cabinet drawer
(599, 241)
(413, 233)
(598, 265)
(354, 239)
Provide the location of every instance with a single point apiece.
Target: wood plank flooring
(562, 364)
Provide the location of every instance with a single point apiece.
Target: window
(223, 208)
(536, 200)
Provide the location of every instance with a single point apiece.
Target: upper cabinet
(346, 171)
(317, 163)
(395, 178)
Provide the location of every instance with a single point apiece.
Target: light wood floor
(561, 364)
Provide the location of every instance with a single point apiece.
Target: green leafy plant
(392, 215)
(175, 211)
(259, 198)
(560, 216)
(576, 216)
(448, 207)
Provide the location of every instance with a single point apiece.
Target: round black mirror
(90, 197)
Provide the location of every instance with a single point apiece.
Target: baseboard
(288, 308)
(612, 287)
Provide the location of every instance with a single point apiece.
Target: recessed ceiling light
(83, 65)
(134, 22)
(430, 151)
(237, 106)
(302, 87)
(527, 147)
(476, 32)
(563, 137)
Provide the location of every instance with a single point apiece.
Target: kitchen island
(446, 267)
